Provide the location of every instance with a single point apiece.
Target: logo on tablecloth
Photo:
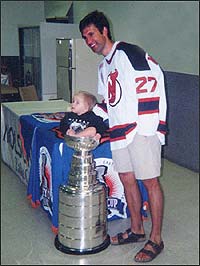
(116, 202)
(46, 195)
(49, 117)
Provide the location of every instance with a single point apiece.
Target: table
(45, 163)
(9, 94)
(11, 146)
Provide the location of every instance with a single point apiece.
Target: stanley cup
(82, 203)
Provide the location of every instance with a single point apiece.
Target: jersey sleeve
(100, 109)
(162, 126)
(97, 122)
(101, 82)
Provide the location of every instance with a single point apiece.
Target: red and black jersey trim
(120, 132)
(136, 55)
(148, 105)
(162, 127)
(103, 106)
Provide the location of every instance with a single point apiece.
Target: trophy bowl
(81, 143)
(82, 203)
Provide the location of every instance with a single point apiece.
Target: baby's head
(83, 102)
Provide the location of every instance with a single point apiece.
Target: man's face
(95, 39)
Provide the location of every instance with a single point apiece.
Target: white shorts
(142, 156)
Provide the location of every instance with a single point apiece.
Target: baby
(82, 121)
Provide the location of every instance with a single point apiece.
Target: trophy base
(94, 250)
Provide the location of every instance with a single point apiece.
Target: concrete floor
(27, 239)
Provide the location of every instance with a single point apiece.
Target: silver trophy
(82, 203)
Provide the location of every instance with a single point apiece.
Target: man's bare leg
(133, 198)
(155, 197)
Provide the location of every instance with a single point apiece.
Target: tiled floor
(27, 239)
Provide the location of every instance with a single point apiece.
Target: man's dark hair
(98, 19)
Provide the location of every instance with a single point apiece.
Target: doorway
(30, 59)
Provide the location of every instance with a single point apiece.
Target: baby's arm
(88, 132)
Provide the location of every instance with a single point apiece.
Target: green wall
(15, 14)
(168, 30)
(56, 8)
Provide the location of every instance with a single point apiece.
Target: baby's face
(79, 105)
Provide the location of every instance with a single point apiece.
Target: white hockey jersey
(132, 84)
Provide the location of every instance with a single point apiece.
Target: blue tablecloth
(49, 158)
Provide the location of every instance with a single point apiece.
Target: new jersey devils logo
(114, 89)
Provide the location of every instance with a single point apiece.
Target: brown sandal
(132, 238)
(152, 255)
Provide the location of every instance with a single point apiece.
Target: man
(132, 85)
